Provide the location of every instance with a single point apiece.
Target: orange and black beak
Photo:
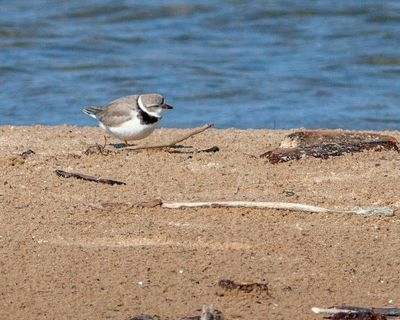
(166, 106)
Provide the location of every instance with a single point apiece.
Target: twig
(390, 312)
(174, 142)
(277, 205)
(65, 174)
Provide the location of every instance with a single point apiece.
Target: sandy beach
(73, 249)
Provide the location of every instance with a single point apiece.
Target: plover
(132, 117)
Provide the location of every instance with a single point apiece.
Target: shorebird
(131, 117)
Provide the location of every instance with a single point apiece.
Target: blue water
(245, 64)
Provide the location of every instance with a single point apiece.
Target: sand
(72, 249)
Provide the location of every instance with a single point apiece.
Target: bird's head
(153, 104)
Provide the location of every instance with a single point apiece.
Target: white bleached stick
(329, 310)
(277, 205)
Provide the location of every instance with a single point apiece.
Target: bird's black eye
(162, 101)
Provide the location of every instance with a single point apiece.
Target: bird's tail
(91, 111)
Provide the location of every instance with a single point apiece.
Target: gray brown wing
(118, 111)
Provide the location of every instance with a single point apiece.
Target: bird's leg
(126, 143)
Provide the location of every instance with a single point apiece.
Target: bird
(132, 117)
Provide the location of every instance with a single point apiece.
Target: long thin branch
(348, 309)
(85, 177)
(277, 205)
(173, 142)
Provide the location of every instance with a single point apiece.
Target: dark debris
(357, 316)
(28, 153)
(246, 287)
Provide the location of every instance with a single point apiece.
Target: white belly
(131, 130)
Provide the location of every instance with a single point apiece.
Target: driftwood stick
(391, 312)
(173, 142)
(277, 205)
(76, 175)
